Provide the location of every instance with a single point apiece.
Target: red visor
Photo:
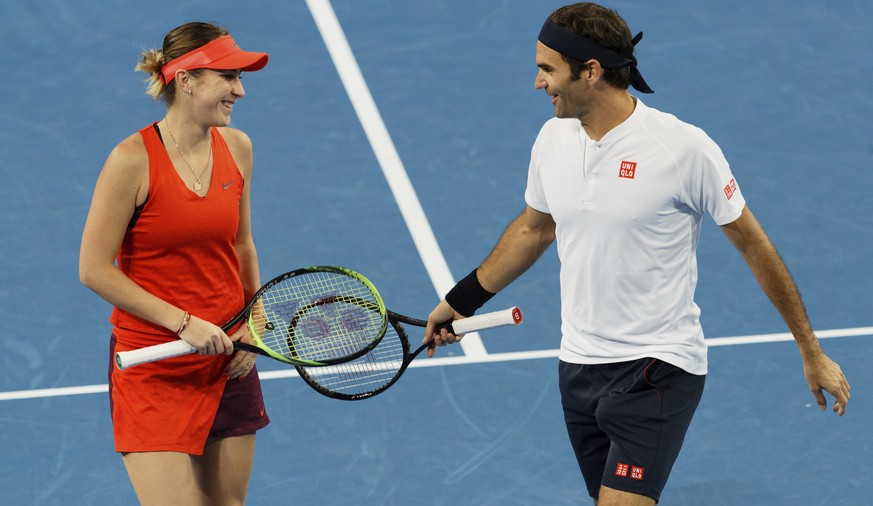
(219, 54)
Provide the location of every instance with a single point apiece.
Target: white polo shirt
(628, 210)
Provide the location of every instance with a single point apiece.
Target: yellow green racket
(315, 316)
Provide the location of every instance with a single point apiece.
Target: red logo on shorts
(633, 472)
(627, 169)
(730, 189)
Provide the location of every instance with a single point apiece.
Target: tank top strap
(157, 152)
(224, 166)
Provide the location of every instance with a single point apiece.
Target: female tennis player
(168, 243)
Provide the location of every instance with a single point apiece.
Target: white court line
(386, 153)
(458, 360)
(786, 336)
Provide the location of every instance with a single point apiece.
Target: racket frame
(269, 352)
(462, 326)
(180, 347)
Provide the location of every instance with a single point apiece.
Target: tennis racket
(379, 368)
(314, 316)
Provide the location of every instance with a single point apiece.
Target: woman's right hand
(208, 338)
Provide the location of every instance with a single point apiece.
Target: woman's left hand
(243, 361)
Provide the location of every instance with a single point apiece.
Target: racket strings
(368, 374)
(320, 316)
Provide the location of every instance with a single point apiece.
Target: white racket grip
(510, 316)
(125, 359)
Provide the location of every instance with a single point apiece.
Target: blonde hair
(178, 41)
(151, 62)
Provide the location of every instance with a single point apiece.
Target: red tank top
(180, 248)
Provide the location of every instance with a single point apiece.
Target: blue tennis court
(410, 179)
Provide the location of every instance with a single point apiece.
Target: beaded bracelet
(184, 323)
(468, 295)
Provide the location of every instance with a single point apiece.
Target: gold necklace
(197, 185)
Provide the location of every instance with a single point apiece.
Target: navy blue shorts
(627, 421)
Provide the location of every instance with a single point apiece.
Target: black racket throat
(249, 347)
(399, 318)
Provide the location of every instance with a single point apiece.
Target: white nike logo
(225, 186)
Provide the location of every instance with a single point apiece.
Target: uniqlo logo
(637, 473)
(621, 470)
(627, 170)
(730, 189)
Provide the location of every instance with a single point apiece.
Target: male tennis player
(624, 188)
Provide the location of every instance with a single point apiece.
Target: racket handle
(125, 359)
(511, 316)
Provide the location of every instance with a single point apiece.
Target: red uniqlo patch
(637, 473)
(627, 169)
(730, 189)
(621, 470)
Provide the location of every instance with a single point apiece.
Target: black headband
(583, 49)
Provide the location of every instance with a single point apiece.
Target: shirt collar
(625, 127)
